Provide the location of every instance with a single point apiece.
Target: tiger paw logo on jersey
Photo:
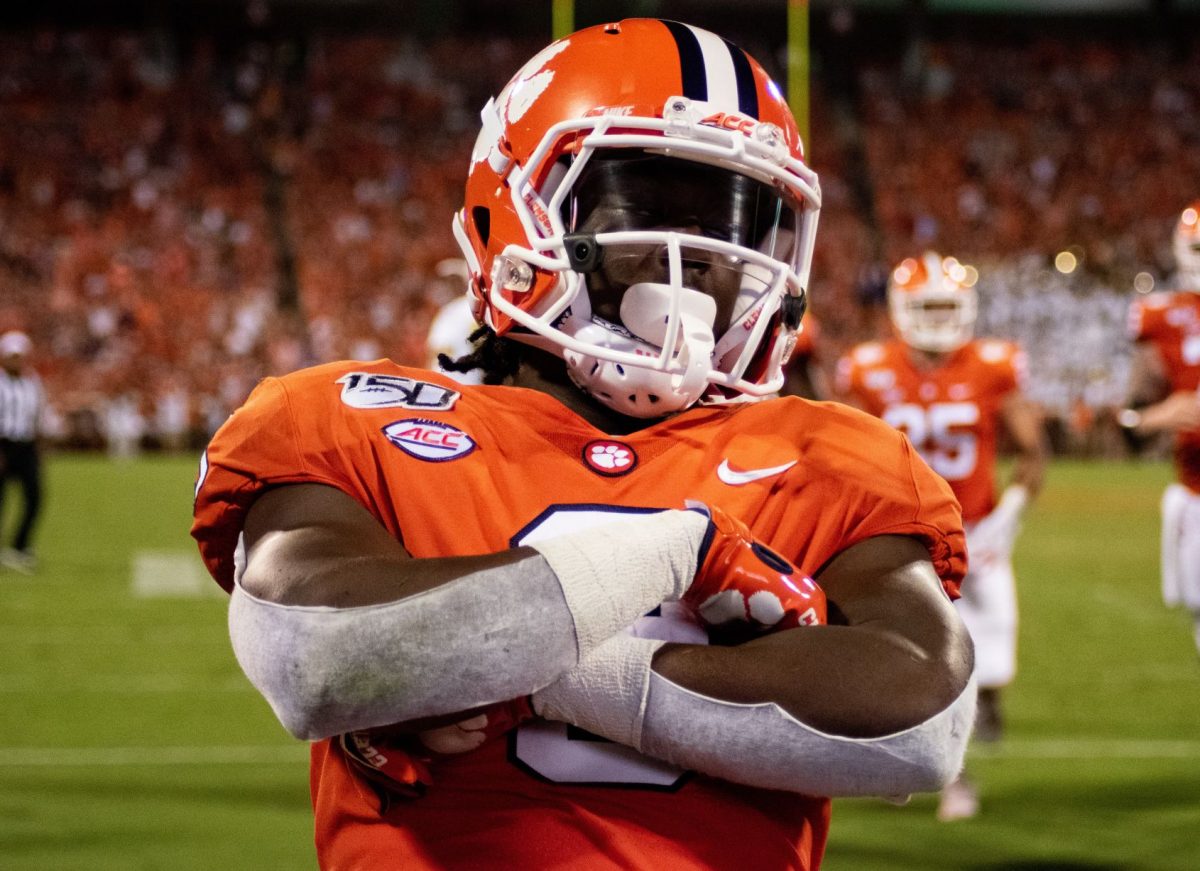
(609, 458)
(429, 440)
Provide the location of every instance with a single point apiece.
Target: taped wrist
(762, 745)
(613, 574)
(606, 693)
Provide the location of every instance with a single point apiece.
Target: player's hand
(475, 727)
(742, 581)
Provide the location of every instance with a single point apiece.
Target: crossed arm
(468, 631)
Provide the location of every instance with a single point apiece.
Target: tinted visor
(620, 191)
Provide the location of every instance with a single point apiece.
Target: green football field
(130, 740)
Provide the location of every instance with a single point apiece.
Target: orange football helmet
(932, 306)
(616, 109)
(1186, 243)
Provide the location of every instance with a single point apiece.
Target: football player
(1164, 397)
(953, 395)
(568, 618)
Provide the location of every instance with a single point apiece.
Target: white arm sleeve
(614, 693)
(486, 637)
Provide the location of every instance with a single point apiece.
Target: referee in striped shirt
(21, 401)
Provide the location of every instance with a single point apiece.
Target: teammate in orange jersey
(1165, 397)
(952, 395)
(566, 618)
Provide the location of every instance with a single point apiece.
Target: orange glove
(741, 580)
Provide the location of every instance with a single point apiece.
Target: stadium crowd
(182, 215)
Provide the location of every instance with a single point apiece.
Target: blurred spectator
(124, 427)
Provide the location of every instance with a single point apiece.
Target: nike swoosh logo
(735, 478)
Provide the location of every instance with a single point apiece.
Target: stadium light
(1065, 262)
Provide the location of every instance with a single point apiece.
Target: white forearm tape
(606, 693)
(762, 745)
(487, 637)
(614, 573)
(756, 745)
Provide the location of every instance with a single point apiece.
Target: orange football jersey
(457, 470)
(1171, 322)
(950, 413)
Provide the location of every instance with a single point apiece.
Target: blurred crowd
(999, 149)
(178, 220)
(183, 215)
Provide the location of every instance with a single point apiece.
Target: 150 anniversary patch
(373, 390)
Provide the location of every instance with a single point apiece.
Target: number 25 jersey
(455, 470)
(951, 412)
(1171, 323)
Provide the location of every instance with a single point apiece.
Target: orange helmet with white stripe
(688, 149)
(932, 303)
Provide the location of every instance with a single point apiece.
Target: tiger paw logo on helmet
(593, 116)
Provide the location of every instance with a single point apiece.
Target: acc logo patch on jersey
(373, 390)
(429, 440)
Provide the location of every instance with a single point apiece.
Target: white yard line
(165, 574)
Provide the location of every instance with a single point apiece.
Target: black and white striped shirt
(21, 399)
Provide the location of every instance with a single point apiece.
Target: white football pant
(988, 607)
(1181, 547)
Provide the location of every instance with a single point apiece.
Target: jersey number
(563, 754)
(937, 434)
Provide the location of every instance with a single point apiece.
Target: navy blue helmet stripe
(691, 61)
(747, 93)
